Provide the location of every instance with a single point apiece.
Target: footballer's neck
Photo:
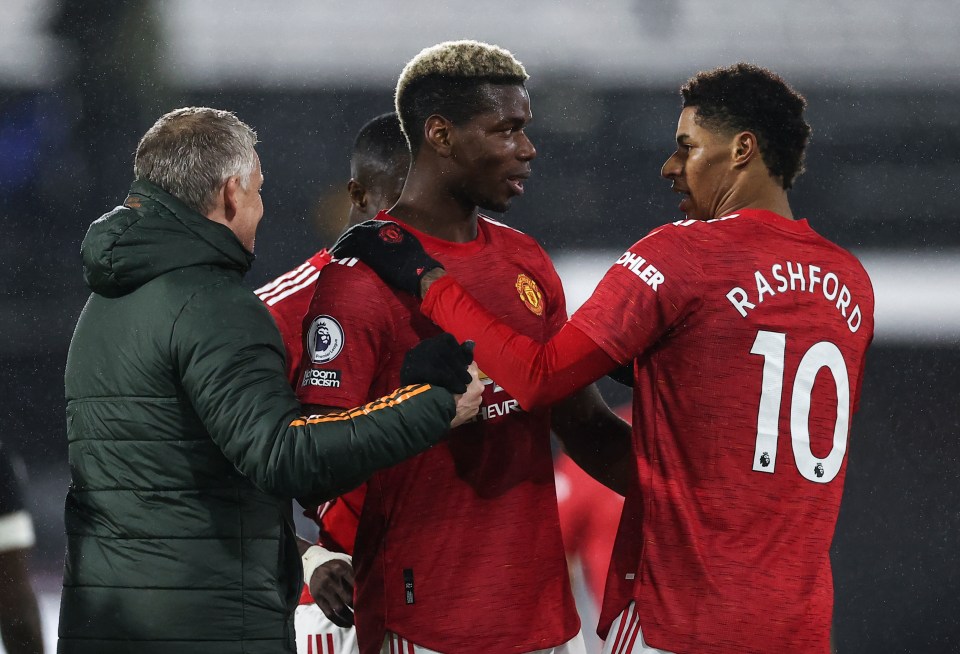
(432, 209)
(775, 200)
(768, 195)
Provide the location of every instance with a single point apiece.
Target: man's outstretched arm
(238, 388)
(536, 374)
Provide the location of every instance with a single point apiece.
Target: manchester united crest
(530, 294)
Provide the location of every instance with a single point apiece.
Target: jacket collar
(153, 233)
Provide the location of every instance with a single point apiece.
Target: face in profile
(249, 207)
(701, 169)
(492, 152)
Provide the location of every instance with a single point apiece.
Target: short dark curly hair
(745, 97)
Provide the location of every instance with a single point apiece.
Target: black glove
(391, 251)
(440, 361)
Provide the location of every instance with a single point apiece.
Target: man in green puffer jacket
(185, 440)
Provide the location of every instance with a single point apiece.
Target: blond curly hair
(445, 78)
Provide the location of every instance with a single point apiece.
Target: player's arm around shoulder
(229, 358)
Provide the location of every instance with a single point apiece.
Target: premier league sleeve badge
(324, 339)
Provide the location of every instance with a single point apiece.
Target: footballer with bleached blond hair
(459, 550)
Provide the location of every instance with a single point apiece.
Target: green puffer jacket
(185, 447)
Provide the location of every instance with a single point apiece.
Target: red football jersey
(748, 335)
(459, 548)
(287, 298)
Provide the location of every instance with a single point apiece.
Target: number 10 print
(771, 346)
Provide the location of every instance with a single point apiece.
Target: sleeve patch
(324, 339)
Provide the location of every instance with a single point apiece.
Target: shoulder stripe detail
(281, 294)
(499, 224)
(295, 280)
(292, 274)
(397, 397)
(722, 218)
(692, 221)
(287, 283)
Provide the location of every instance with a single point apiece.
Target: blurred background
(80, 81)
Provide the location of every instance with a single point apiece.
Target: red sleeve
(287, 299)
(535, 374)
(645, 293)
(346, 338)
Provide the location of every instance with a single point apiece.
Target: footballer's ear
(437, 134)
(745, 148)
(358, 194)
(228, 195)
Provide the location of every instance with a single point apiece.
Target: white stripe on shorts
(626, 637)
(317, 635)
(394, 644)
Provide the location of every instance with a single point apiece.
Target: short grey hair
(191, 152)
